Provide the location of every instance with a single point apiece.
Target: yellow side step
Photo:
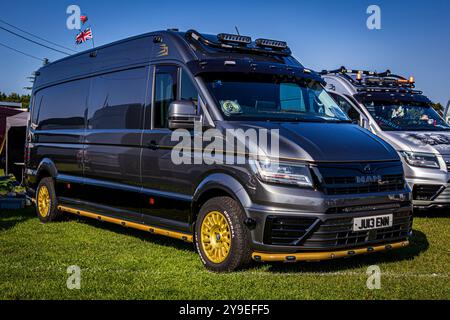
(318, 256)
(139, 226)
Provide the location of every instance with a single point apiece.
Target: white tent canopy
(18, 120)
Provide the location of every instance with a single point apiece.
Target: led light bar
(271, 43)
(225, 37)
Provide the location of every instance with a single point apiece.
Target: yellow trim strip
(139, 226)
(317, 256)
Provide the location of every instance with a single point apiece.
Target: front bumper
(431, 187)
(309, 221)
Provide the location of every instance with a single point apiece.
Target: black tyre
(222, 239)
(46, 201)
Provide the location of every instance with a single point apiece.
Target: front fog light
(281, 172)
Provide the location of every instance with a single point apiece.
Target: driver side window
(166, 89)
(188, 90)
(350, 110)
(170, 86)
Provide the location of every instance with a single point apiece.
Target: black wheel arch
(217, 185)
(46, 168)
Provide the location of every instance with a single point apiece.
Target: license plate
(374, 222)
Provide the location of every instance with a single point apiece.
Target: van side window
(117, 100)
(347, 107)
(37, 101)
(188, 90)
(63, 106)
(166, 86)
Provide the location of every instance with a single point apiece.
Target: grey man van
(389, 106)
(100, 142)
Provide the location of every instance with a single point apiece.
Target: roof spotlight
(359, 76)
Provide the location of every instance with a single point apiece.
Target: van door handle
(152, 145)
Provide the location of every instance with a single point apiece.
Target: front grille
(349, 185)
(425, 192)
(338, 233)
(361, 178)
(283, 230)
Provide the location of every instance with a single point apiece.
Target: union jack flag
(83, 36)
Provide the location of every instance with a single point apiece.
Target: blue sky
(414, 39)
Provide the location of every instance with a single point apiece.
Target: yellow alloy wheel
(215, 237)
(43, 201)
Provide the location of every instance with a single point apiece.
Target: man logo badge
(368, 179)
(367, 169)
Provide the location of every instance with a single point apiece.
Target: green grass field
(119, 263)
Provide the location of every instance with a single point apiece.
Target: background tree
(15, 97)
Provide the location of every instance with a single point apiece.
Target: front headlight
(424, 160)
(282, 172)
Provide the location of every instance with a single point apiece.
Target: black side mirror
(182, 115)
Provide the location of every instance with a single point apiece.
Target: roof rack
(376, 81)
(242, 43)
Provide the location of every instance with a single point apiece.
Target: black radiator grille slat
(349, 185)
(282, 230)
(361, 178)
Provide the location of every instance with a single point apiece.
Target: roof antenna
(237, 30)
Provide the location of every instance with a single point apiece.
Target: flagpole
(93, 43)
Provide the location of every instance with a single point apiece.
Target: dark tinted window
(188, 90)
(116, 100)
(257, 97)
(63, 106)
(346, 107)
(165, 92)
(406, 116)
(37, 100)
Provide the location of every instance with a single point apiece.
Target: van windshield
(269, 98)
(408, 116)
